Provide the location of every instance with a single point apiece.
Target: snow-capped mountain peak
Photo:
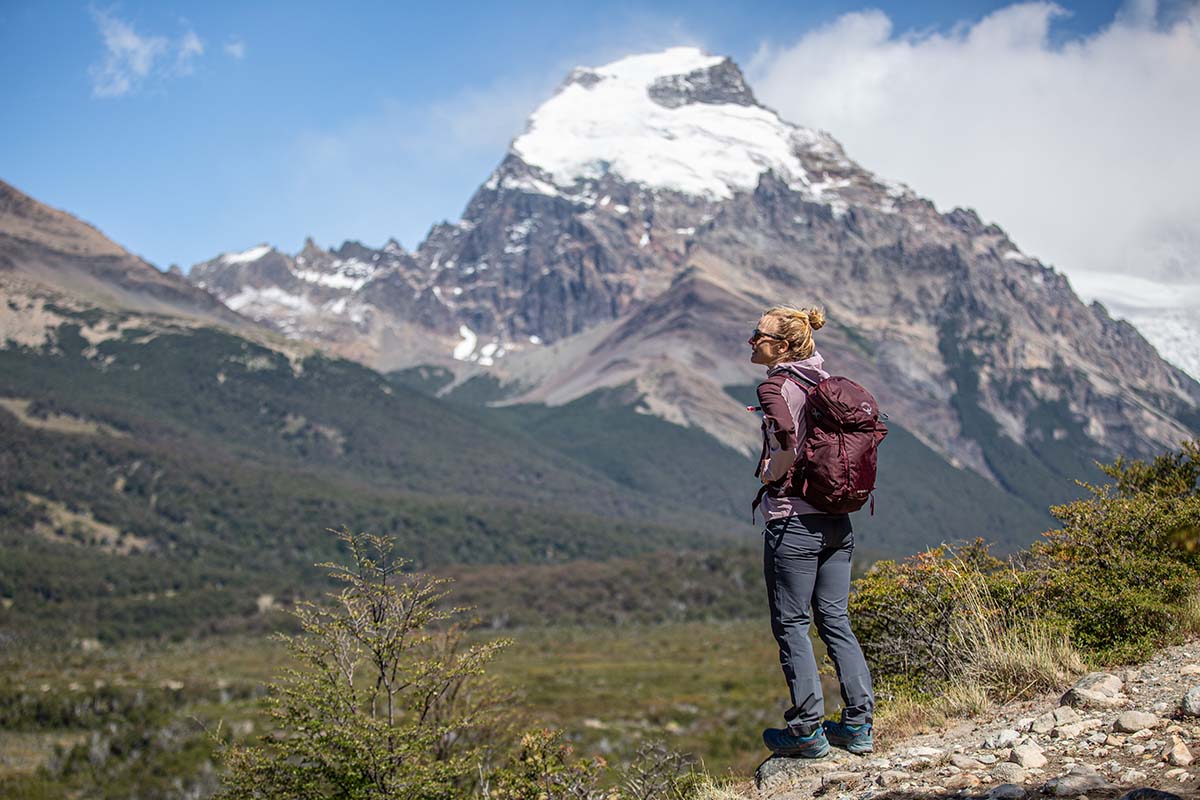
(679, 120)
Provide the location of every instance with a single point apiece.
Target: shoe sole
(798, 752)
(856, 749)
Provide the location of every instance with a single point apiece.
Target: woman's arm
(781, 432)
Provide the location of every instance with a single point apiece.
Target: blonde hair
(796, 326)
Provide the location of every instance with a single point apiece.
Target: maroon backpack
(835, 468)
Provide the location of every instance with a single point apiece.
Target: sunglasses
(760, 334)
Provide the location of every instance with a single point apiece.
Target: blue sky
(269, 121)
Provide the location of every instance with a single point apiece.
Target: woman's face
(764, 348)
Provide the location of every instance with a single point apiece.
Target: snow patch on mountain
(610, 123)
(350, 274)
(251, 299)
(246, 256)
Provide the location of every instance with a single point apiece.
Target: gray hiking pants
(806, 562)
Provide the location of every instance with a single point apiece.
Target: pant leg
(831, 599)
(790, 553)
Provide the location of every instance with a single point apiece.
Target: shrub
(388, 704)
(382, 706)
(1118, 578)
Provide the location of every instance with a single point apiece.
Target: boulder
(1134, 721)
(1094, 690)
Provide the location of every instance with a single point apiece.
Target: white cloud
(236, 49)
(130, 58)
(1084, 150)
(190, 47)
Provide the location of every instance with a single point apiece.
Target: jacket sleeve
(781, 431)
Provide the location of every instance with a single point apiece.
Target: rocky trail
(1132, 734)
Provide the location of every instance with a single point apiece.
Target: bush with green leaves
(383, 704)
(1115, 581)
(388, 703)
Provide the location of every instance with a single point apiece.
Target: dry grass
(1189, 620)
(902, 716)
(1010, 658)
(710, 788)
(1005, 658)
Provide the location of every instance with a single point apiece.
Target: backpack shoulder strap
(804, 381)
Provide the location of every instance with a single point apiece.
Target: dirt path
(1111, 734)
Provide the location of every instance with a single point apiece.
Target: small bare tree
(387, 701)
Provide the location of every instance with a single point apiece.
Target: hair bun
(816, 318)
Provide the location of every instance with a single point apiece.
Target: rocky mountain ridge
(652, 208)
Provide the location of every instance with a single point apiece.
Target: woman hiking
(806, 553)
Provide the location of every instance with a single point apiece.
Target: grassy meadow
(117, 720)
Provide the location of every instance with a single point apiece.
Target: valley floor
(704, 688)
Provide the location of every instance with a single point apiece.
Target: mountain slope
(42, 246)
(160, 480)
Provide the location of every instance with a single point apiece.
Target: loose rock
(1190, 669)
(1134, 721)
(891, 777)
(1045, 723)
(1094, 690)
(1079, 779)
(965, 762)
(1190, 705)
(1177, 753)
(963, 780)
(1008, 772)
(1005, 738)
(1027, 756)
(924, 752)
(838, 778)
(1064, 715)
(1073, 729)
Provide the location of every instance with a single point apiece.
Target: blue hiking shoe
(783, 742)
(854, 738)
